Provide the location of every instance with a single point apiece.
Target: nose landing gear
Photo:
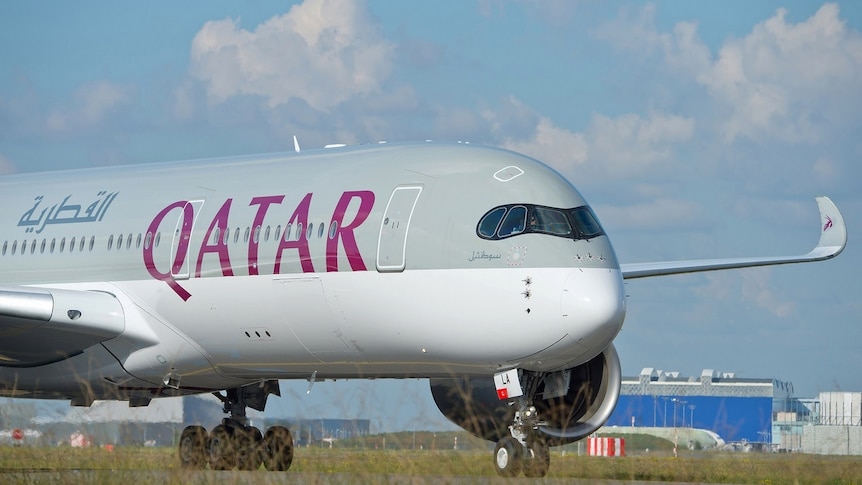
(525, 449)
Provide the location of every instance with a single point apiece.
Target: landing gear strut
(235, 444)
(525, 449)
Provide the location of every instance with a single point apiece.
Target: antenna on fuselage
(295, 144)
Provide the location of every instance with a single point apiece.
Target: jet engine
(571, 404)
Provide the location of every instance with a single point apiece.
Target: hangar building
(737, 409)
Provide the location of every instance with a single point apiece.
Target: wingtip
(833, 232)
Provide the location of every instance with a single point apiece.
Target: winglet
(833, 232)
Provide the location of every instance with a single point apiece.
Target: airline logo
(64, 212)
(351, 210)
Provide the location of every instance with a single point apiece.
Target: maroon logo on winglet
(828, 224)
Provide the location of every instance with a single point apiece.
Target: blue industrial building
(737, 409)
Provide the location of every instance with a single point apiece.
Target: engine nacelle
(571, 413)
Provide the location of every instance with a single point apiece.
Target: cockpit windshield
(514, 219)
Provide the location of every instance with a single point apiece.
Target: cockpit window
(586, 222)
(513, 219)
(488, 225)
(551, 221)
(514, 223)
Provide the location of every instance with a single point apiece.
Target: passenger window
(5, 245)
(310, 231)
(488, 224)
(110, 243)
(148, 239)
(320, 231)
(514, 223)
(287, 232)
(551, 221)
(266, 234)
(71, 245)
(137, 242)
(333, 229)
(93, 242)
(63, 244)
(14, 246)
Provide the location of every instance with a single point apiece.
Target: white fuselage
(381, 273)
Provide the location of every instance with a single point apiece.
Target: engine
(574, 403)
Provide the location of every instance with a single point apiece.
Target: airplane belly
(416, 322)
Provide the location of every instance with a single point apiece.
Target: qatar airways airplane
(478, 268)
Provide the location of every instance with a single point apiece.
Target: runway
(141, 477)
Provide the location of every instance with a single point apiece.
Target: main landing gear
(235, 444)
(525, 448)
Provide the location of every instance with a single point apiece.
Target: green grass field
(402, 458)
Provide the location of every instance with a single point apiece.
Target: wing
(833, 239)
(41, 325)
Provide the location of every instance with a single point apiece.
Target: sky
(694, 129)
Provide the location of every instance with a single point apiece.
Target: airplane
(478, 268)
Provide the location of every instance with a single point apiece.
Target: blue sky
(695, 129)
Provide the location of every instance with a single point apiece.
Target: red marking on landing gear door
(508, 385)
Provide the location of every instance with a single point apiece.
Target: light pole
(691, 415)
(674, 411)
(664, 421)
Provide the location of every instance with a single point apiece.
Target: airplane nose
(593, 306)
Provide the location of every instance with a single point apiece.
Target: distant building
(310, 431)
(114, 422)
(737, 409)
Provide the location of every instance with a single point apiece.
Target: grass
(358, 464)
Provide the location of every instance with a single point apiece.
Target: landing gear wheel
(193, 448)
(222, 448)
(507, 457)
(248, 449)
(277, 448)
(538, 461)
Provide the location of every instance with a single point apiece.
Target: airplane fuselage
(377, 261)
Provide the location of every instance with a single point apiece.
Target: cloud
(620, 147)
(323, 52)
(93, 103)
(752, 286)
(785, 81)
(632, 143)
(655, 214)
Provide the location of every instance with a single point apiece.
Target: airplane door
(392, 241)
(181, 243)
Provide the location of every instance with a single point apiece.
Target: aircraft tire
(222, 448)
(540, 461)
(248, 449)
(193, 448)
(277, 448)
(508, 457)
